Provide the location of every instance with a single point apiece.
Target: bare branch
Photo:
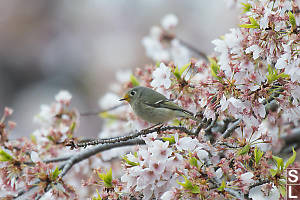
(93, 151)
(292, 139)
(212, 124)
(192, 48)
(235, 125)
(50, 160)
(127, 137)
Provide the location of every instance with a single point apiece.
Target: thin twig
(259, 183)
(93, 151)
(235, 125)
(127, 137)
(50, 160)
(212, 124)
(194, 49)
(102, 111)
(20, 193)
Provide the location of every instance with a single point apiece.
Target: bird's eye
(132, 93)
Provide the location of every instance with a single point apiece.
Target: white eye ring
(132, 93)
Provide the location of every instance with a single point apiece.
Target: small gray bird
(154, 107)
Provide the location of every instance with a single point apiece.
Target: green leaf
(106, 115)
(247, 26)
(176, 122)
(292, 20)
(177, 73)
(170, 139)
(222, 186)
(283, 75)
(5, 156)
(193, 161)
(188, 185)
(134, 81)
(49, 137)
(253, 24)
(33, 138)
(282, 190)
(125, 158)
(73, 126)
(55, 173)
(98, 196)
(270, 69)
(215, 69)
(253, 21)
(244, 150)
(183, 68)
(246, 7)
(282, 187)
(279, 162)
(273, 172)
(282, 181)
(195, 189)
(106, 178)
(257, 154)
(291, 159)
(273, 74)
(157, 64)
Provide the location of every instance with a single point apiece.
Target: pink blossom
(8, 111)
(63, 97)
(169, 21)
(256, 193)
(246, 178)
(161, 77)
(255, 49)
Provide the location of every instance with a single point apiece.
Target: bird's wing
(168, 104)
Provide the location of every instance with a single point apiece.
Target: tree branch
(80, 156)
(93, 151)
(50, 160)
(192, 48)
(290, 140)
(73, 144)
(235, 125)
(101, 111)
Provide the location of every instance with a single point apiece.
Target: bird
(153, 107)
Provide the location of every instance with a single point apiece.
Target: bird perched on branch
(154, 107)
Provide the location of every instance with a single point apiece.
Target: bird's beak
(125, 98)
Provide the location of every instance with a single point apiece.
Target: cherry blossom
(245, 100)
(63, 97)
(161, 77)
(169, 21)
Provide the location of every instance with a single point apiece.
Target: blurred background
(46, 46)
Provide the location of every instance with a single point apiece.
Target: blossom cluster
(156, 166)
(161, 45)
(22, 160)
(256, 66)
(245, 99)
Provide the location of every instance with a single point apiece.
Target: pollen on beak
(125, 98)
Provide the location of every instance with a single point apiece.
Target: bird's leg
(160, 125)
